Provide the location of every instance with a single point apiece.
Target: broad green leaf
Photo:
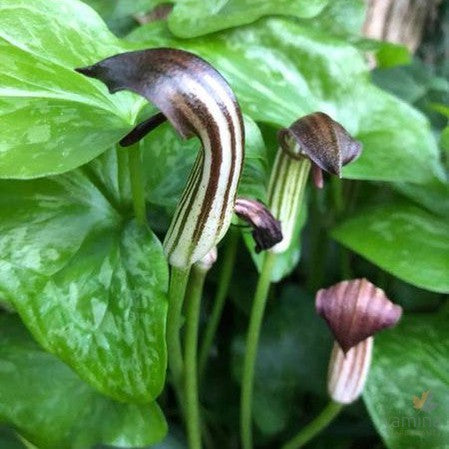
(119, 14)
(404, 240)
(341, 17)
(53, 408)
(433, 196)
(88, 282)
(408, 361)
(53, 119)
(167, 161)
(191, 18)
(282, 70)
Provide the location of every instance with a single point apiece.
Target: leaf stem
(193, 303)
(219, 300)
(327, 415)
(136, 179)
(252, 342)
(176, 292)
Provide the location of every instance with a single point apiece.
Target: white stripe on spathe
(179, 245)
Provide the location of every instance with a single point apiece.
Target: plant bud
(355, 310)
(266, 229)
(314, 140)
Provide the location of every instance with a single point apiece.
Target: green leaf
(119, 14)
(408, 361)
(10, 440)
(52, 118)
(282, 70)
(341, 18)
(191, 18)
(404, 240)
(433, 196)
(167, 161)
(88, 282)
(285, 262)
(53, 408)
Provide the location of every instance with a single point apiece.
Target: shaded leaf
(282, 70)
(293, 355)
(404, 240)
(53, 408)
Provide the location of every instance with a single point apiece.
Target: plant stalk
(137, 186)
(193, 304)
(219, 300)
(252, 342)
(176, 292)
(328, 414)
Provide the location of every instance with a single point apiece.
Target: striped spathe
(197, 101)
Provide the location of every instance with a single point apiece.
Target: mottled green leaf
(89, 283)
(282, 70)
(409, 361)
(120, 14)
(53, 408)
(192, 18)
(53, 119)
(404, 240)
(341, 17)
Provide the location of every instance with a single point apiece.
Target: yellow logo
(424, 402)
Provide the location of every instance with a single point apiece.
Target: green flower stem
(328, 414)
(136, 179)
(176, 292)
(193, 303)
(252, 341)
(219, 300)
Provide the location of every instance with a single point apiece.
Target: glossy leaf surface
(53, 408)
(88, 282)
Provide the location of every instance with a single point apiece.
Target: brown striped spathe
(314, 141)
(348, 372)
(285, 193)
(266, 229)
(323, 140)
(196, 100)
(355, 310)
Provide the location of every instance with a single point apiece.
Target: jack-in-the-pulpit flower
(266, 229)
(354, 310)
(316, 141)
(196, 100)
